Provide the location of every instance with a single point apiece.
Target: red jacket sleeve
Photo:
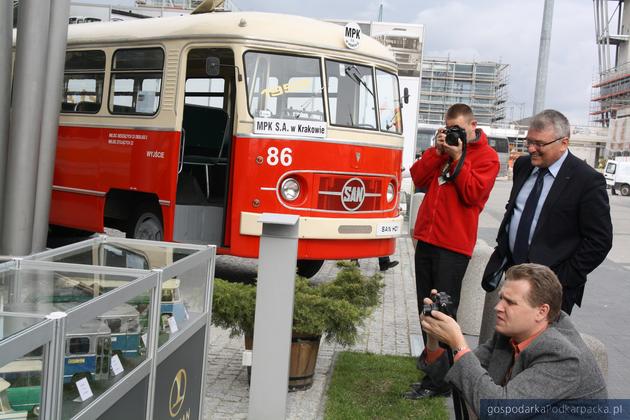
(476, 179)
(423, 170)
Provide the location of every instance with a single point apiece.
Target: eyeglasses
(538, 145)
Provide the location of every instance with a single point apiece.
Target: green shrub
(335, 309)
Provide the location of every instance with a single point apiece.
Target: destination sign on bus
(275, 126)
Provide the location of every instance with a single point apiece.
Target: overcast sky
(495, 30)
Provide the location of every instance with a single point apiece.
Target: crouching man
(535, 353)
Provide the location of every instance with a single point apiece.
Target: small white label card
(172, 325)
(247, 358)
(117, 367)
(85, 392)
(144, 339)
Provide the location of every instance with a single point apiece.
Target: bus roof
(271, 28)
(22, 365)
(120, 310)
(92, 327)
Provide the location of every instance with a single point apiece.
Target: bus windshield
(351, 95)
(388, 102)
(283, 86)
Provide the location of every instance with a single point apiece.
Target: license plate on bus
(388, 229)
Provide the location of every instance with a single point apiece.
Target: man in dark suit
(558, 213)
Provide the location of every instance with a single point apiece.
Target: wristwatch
(457, 350)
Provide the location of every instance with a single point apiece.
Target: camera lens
(451, 138)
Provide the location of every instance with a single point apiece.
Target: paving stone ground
(386, 332)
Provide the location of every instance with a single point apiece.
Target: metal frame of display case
(40, 334)
(52, 331)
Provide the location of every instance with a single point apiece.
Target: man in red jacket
(446, 225)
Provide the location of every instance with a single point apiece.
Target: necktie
(521, 242)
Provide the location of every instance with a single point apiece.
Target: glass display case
(119, 308)
(22, 339)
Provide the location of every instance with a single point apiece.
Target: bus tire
(308, 268)
(146, 224)
(35, 411)
(625, 190)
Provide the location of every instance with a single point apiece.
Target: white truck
(617, 174)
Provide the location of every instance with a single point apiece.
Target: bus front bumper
(332, 228)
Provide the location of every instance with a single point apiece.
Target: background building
(83, 12)
(611, 92)
(482, 85)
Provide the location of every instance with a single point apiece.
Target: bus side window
(83, 82)
(136, 81)
(79, 345)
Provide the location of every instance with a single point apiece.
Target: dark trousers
(440, 269)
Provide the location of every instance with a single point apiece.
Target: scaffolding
(482, 85)
(185, 5)
(610, 98)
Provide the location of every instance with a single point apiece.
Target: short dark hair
(544, 286)
(459, 109)
(550, 118)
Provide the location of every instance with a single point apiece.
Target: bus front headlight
(391, 192)
(290, 189)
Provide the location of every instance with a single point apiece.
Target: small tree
(335, 309)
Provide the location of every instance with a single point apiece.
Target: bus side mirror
(213, 66)
(406, 95)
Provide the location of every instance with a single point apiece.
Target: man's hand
(455, 152)
(440, 141)
(441, 327)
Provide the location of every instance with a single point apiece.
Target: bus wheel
(308, 268)
(35, 411)
(145, 225)
(625, 190)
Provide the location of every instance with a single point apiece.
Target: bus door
(103, 354)
(208, 121)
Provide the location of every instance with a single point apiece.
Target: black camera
(441, 302)
(453, 134)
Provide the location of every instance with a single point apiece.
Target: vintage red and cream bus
(189, 128)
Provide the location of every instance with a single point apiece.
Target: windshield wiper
(355, 75)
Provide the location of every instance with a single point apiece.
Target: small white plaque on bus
(292, 128)
(388, 229)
